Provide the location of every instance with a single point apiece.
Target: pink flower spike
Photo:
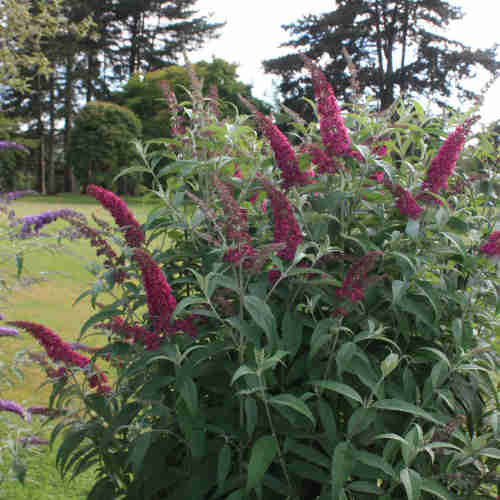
(283, 153)
(444, 163)
(122, 215)
(492, 246)
(58, 350)
(286, 229)
(355, 281)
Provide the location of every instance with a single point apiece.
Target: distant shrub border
(318, 322)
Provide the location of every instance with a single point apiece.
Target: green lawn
(52, 279)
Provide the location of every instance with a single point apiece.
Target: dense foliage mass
(102, 142)
(312, 321)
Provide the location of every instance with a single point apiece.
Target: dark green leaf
(294, 403)
(263, 453)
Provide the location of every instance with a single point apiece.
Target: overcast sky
(253, 33)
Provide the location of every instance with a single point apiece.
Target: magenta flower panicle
(121, 214)
(355, 281)
(284, 154)
(236, 226)
(444, 163)
(135, 333)
(334, 133)
(161, 302)
(492, 246)
(59, 351)
(286, 229)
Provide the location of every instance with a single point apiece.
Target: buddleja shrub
(315, 321)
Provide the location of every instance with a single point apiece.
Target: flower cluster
(60, 351)
(8, 332)
(44, 411)
(161, 302)
(31, 224)
(135, 333)
(334, 134)
(15, 195)
(173, 107)
(13, 145)
(244, 255)
(235, 216)
(286, 229)
(443, 164)
(324, 163)
(33, 440)
(284, 154)
(355, 281)
(121, 214)
(492, 247)
(6, 405)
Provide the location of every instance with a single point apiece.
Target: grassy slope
(50, 303)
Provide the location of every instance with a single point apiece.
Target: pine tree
(398, 47)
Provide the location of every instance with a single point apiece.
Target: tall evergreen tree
(398, 46)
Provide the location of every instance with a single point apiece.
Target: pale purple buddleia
(6, 405)
(31, 224)
(13, 145)
(8, 332)
(33, 440)
(15, 195)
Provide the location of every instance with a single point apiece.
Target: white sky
(253, 33)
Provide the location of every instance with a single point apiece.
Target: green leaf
(389, 364)
(99, 317)
(240, 372)
(412, 482)
(294, 403)
(251, 414)
(189, 393)
(490, 452)
(360, 420)
(412, 228)
(186, 302)
(19, 267)
(262, 315)
(374, 461)
(131, 170)
(223, 465)
(19, 469)
(328, 420)
(343, 462)
(263, 453)
(436, 489)
(405, 407)
(365, 487)
(343, 389)
(138, 451)
(399, 288)
(291, 331)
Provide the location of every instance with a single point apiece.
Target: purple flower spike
(15, 195)
(8, 332)
(6, 405)
(33, 223)
(13, 145)
(34, 440)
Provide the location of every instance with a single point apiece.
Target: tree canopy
(398, 47)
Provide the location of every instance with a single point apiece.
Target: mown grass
(53, 276)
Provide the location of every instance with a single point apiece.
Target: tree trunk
(51, 170)
(70, 184)
(41, 159)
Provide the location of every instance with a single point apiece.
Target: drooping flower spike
(60, 351)
(121, 214)
(11, 406)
